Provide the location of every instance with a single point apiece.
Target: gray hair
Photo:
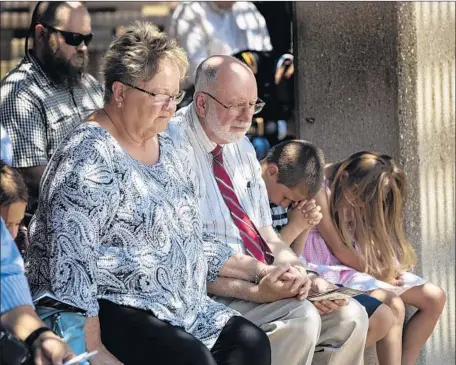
(206, 75)
(134, 56)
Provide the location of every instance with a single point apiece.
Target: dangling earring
(119, 105)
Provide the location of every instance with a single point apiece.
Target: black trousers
(137, 337)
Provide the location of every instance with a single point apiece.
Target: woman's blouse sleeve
(81, 198)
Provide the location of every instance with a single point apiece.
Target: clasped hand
(287, 281)
(304, 214)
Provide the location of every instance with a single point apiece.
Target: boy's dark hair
(299, 162)
(12, 186)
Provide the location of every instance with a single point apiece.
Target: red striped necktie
(253, 242)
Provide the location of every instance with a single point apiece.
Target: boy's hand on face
(305, 214)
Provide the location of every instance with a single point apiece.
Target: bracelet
(34, 336)
(259, 276)
(312, 272)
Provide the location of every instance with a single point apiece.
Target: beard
(62, 71)
(223, 132)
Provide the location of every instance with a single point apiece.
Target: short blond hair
(134, 56)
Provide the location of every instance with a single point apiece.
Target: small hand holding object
(329, 306)
(398, 279)
(50, 349)
(320, 285)
(82, 357)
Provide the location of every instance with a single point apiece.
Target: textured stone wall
(381, 76)
(426, 117)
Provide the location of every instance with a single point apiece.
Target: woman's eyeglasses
(240, 108)
(72, 39)
(160, 98)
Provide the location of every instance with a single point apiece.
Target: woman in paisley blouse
(118, 233)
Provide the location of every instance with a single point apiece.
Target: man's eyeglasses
(238, 109)
(72, 39)
(160, 98)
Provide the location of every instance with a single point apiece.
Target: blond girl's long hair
(368, 195)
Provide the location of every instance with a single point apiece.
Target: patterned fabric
(279, 216)
(204, 30)
(320, 259)
(253, 242)
(15, 290)
(241, 165)
(37, 114)
(109, 227)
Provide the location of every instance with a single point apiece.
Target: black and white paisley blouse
(109, 227)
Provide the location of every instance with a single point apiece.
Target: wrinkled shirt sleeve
(25, 123)
(80, 198)
(217, 254)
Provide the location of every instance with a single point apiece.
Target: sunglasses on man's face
(72, 39)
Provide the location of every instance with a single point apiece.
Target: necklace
(109, 116)
(119, 131)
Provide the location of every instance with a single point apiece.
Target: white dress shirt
(242, 166)
(204, 30)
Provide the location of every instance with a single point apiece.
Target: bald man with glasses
(265, 282)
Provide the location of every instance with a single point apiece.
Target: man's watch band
(30, 340)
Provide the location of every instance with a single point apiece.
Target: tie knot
(217, 153)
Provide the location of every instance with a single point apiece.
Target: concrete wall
(381, 76)
(427, 107)
(346, 72)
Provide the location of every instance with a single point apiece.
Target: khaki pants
(300, 336)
